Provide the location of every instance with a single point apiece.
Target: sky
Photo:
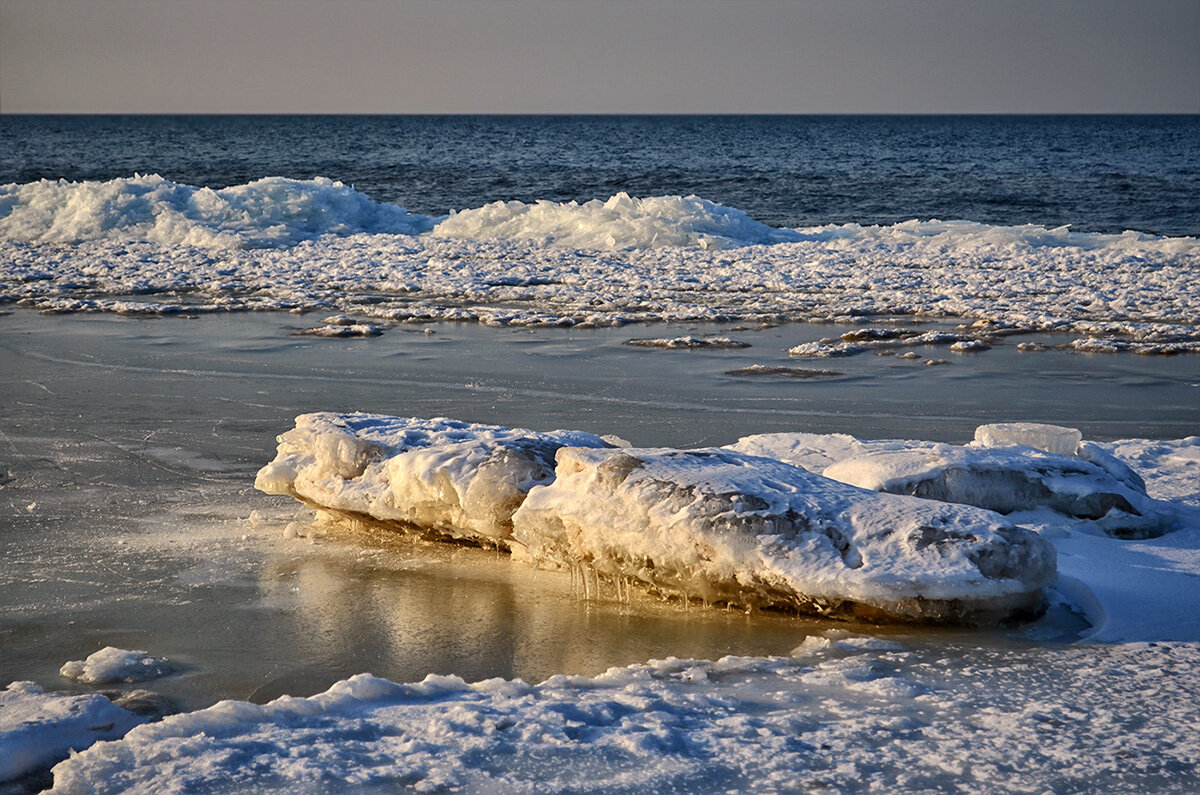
(588, 56)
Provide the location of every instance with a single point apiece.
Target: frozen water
(452, 478)
(288, 244)
(1010, 479)
(729, 527)
(620, 222)
(1051, 438)
(111, 665)
(268, 212)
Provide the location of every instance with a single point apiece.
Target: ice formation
(37, 728)
(111, 664)
(268, 212)
(1050, 438)
(734, 528)
(1011, 479)
(1007, 469)
(620, 222)
(846, 713)
(676, 343)
(287, 244)
(442, 476)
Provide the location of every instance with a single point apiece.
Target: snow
(846, 713)
(39, 728)
(289, 244)
(733, 528)
(111, 664)
(443, 476)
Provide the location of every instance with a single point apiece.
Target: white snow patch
(37, 728)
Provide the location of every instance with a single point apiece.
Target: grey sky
(579, 56)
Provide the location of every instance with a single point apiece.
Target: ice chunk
(273, 211)
(620, 222)
(688, 343)
(452, 478)
(38, 729)
(1010, 479)
(111, 664)
(746, 530)
(1051, 438)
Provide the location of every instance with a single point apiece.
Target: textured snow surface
(111, 664)
(39, 728)
(285, 244)
(726, 526)
(844, 713)
(453, 478)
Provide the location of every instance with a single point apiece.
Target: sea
(176, 290)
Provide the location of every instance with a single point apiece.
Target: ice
(300, 245)
(443, 476)
(1011, 479)
(37, 728)
(1051, 438)
(620, 222)
(851, 713)
(111, 664)
(689, 342)
(273, 211)
(729, 527)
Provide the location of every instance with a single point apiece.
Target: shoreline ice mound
(620, 222)
(754, 531)
(451, 478)
(38, 729)
(269, 212)
(111, 664)
(1014, 479)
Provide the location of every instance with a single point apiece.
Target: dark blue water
(1097, 173)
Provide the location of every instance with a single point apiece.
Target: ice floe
(442, 476)
(110, 665)
(317, 245)
(676, 343)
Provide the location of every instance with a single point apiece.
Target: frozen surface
(735, 528)
(111, 665)
(671, 343)
(845, 713)
(148, 246)
(452, 478)
(39, 728)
